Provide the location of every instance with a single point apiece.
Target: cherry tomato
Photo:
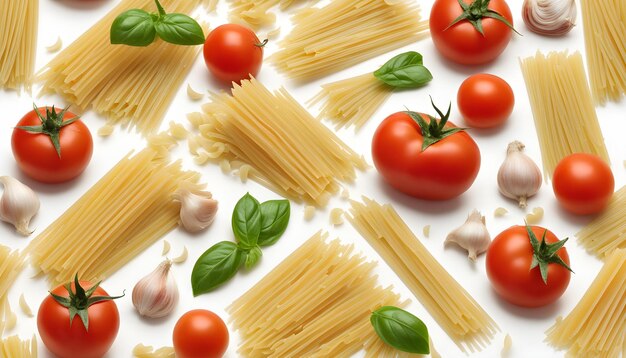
(583, 183)
(485, 101)
(36, 154)
(73, 340)
(461, 42)
(233, 53)
(444, 170)
(200, 334)
(509, 259)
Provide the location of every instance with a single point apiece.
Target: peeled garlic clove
(549, 17)
(197, 211)
(156, 295)
(18, 204)
(472, 235)
(518, 177)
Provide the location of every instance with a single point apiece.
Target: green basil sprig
(405, 70)
(401, 330)
(137, 27)
(254, 225)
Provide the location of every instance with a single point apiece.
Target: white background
(526, 326)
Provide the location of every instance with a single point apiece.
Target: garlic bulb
(519, 177)
(472, 235)
(549, 17)
(18, 204)
(156, 295)
(197, 211)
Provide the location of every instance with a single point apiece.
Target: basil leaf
(134, 28)
(253, 257)
(274, 220)
(179, 29)
(215, 266)
(404, 71)
(400, 329)
(246, 221)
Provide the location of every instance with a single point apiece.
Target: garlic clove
(472, 236)
(549, 17)
(156, 295)
(197, 211)
(518, 177)
(18, 205)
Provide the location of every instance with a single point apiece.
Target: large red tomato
(462, 42)
(509, 260)
(34, 149)
(200, 334)
(71, 338)
(443, 170)
(583, 183)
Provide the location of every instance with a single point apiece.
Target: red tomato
(461, 42)
(36, 155)
(442, 171)
(200, 334)
(509, 259)
(75, 341)
(485, 101)
(233, 53)
(583, 183)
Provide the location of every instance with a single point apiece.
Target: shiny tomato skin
(461, 43)
(583, 183)
(485, 101)
(443, 171)
(200, 334)
(508, 263)
(231, 53)
(53, 323)
(35, 154)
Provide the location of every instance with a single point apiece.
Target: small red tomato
(485, 101)
(509, 259)
(233, 53)
(583, 183)
(200, 334)
(75, 338)
(35, 151)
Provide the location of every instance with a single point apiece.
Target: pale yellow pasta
(55, 47)
(132, 86)
(106, 130)
(18, 42)
(607, 232)
(604, 28)
(460, 316)
(565, 117)
(500, 212)
(506, 346)
(25, 307)
(535, 216)
(345, 194)
(336, 216)
(309, 212)
(352, 101)
(11, 265)
(302, 299)
(596, 327)
(14, 347)
(178, 131)
(225, 166)
(287, 149)
(256, 13)
(244, 172)
(426, 231)
(345, 33)
(141, 351)
(126, 211)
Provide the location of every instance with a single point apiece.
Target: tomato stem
(262, 44)
(51, 125)
(545, 254)
(476, 12)
(434, 130)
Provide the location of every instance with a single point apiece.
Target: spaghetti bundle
(283, 146)
(11, 264)
(344, 33)
(604, 27)
(565, 117)
(14, 347)
(596, 327)
(256, 12)
(317, 302)
(129, 209)
(451, 306)
(129, 85)
(607, 232)
(18, 40)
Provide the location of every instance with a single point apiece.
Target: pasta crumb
(336, 216)
(143, 351)
(25, 307)
(106, 130)
(426, 231)
(225, 166)
(506, 348)
(500, 212)
(535, 216)
(244, 172)
(309, 213)
(345, 194)
(178, 131)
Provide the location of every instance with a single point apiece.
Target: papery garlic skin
(519, 177)
(156, 295)
(18, 205)
(197, 211)
(550, 17)
(472, 236)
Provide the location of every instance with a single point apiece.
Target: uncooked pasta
(256, 13)
(18, 42)
(14, 347)
(607, 232)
